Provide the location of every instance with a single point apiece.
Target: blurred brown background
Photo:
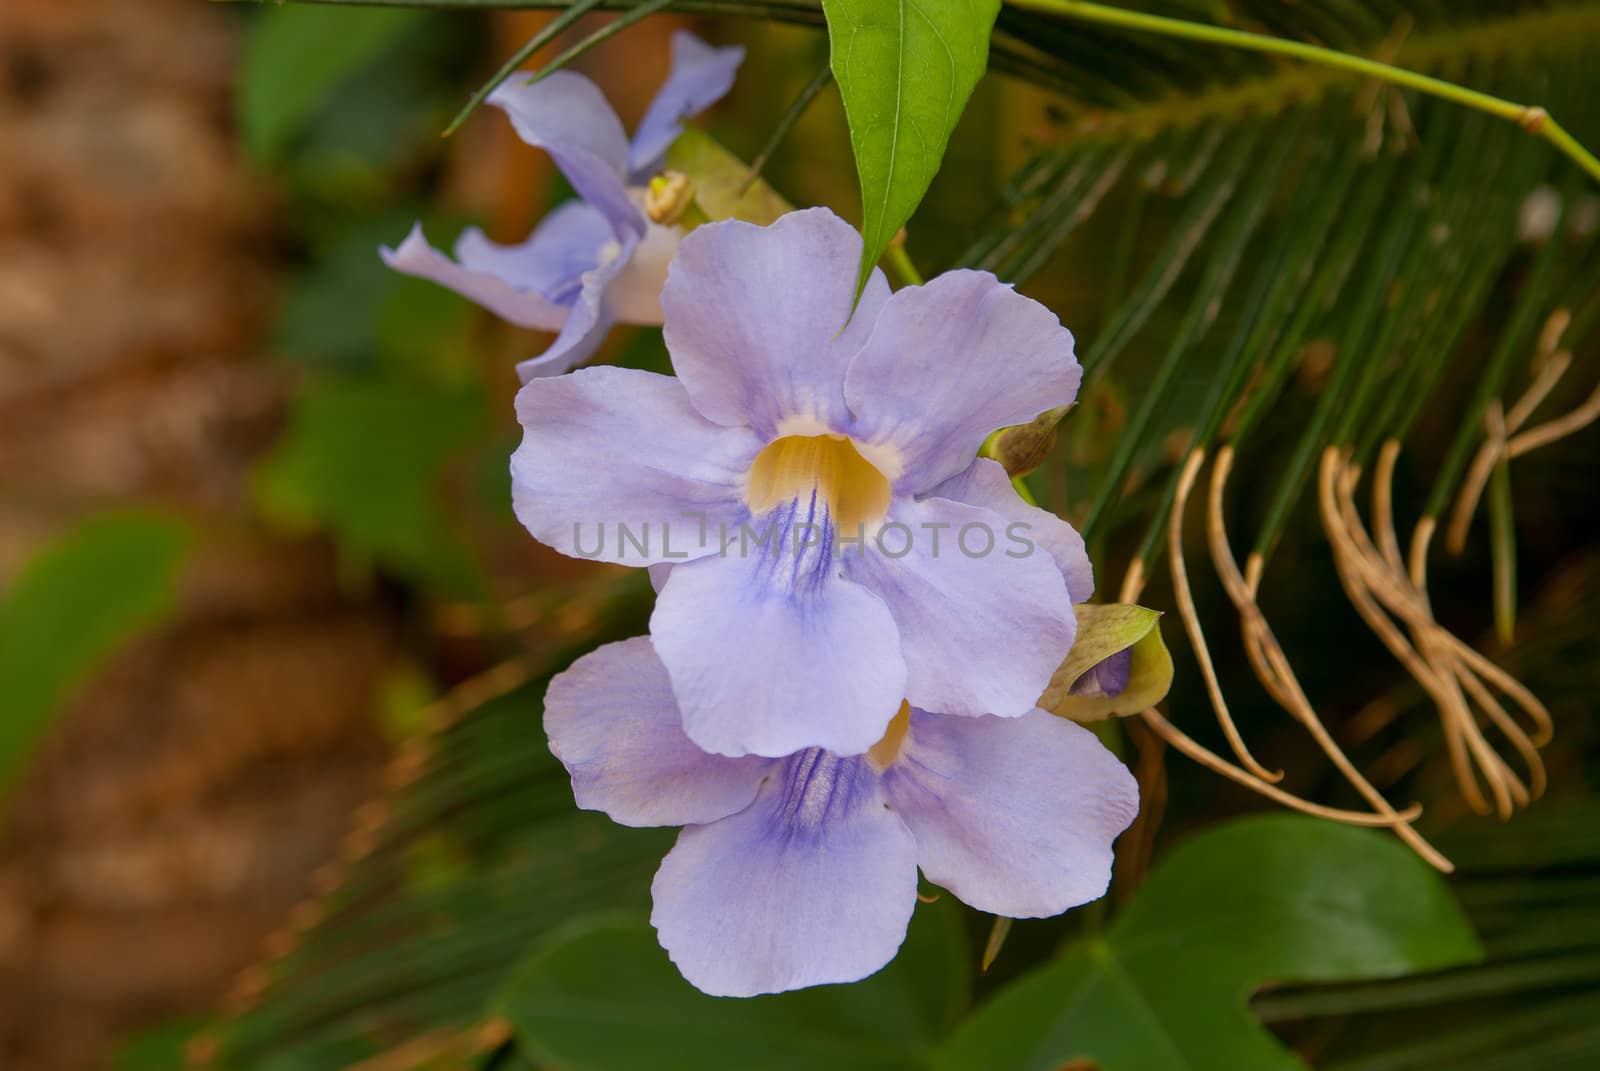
(180, 802)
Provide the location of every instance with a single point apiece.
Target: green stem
(901, 263)
(1533, 119)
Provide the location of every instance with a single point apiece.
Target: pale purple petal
(588, 319)
(813, 884)
(770, 652)
(569, 241)
(701, 76)
(1015, 816)
(566, 115)
(948, 363)
(982, 631)
(984, 483)
(523, 307)
(614, 725)
(610, 446)
(756, 318)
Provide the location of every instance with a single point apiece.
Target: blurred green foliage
(71, 606)
(297, 58)
(366, 461)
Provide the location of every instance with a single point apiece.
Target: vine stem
(1531, 118)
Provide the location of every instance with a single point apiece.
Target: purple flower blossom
(861, 433)
(594, 261)
(802, 870)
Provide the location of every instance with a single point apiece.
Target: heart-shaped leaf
(1267, 899)
(604, 997)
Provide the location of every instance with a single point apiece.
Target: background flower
(802, 871)
(597, 260)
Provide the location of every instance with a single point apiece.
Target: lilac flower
(802, 871)
(593, 261)
(834, 545)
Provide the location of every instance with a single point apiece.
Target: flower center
(797, 466)
(885, 751)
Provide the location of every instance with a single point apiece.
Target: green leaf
(1266, 899)
(366, 461)
(905, 69)
(71, 607)
(295, 57)
(602, 996)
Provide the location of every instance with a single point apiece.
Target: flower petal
(769, 653)
(1014, 816)
(813, 884)
(617, 446)
(568, 242)
(984, 483)
(951, 361)
(566, 115)
(588, 320)
(701, 76)
(523, 306)
(983, 622)
(614, 725)
(756, 318)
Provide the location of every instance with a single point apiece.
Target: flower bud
(1117, 666)
(1023, 447)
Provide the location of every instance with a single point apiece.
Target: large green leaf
(1268, 899)
(295, 57)
(905, 69)
(604, 997)
(70, 607)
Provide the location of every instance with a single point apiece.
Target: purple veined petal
(982, 631)
(589, 317)
(614, 725)
(756, 318)
(813, 884)
(525, 308)
(770, 651)
(701, 76)
(951, 361)
(984, 483)
(619, 447)
(566, 115)
(1015, 816)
